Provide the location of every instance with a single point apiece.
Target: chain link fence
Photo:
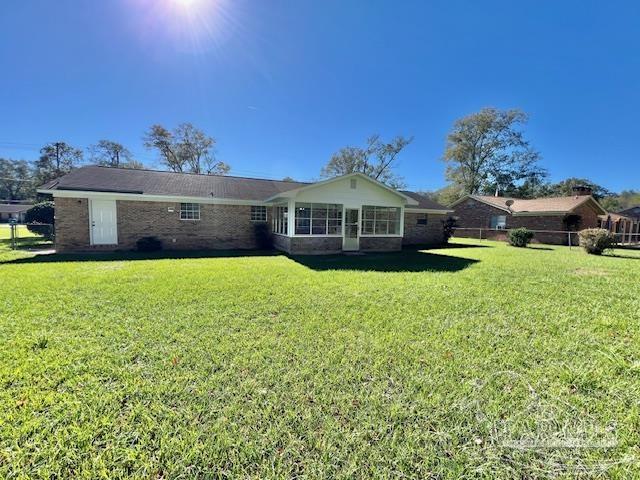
(552, 237)
(36, 236)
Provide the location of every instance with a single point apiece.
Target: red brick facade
(416, 232)
(475, 215)
(219, 227)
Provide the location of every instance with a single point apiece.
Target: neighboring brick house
(100, 208)
(550, 218)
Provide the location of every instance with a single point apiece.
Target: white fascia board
(294, 193)
(138, 197)
(539, 214)
(428, 210)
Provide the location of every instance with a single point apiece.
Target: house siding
(430, 234)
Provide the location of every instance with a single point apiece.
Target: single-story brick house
(101, 208)
(550, 217)
(14, 211)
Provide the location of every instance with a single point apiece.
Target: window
(258, 213)
(279, 222)
(422, 219)
(499, 222)
(380, 220)
(189, 211)
(318, 219)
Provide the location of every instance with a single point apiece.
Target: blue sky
(281, 85)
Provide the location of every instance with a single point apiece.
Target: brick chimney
(581, 190)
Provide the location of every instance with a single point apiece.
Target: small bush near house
(264, 240)
(449, 226)
(596, 240)
(149, 244)
(520, 237)
(41, 213)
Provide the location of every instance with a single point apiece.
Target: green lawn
(472, 361)
(25, 239)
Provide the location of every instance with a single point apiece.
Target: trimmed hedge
(596, 240)
(520, 237)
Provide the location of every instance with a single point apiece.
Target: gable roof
(154, 182)
(172, 184)
(631, 212)
(294, 192)
(548, 205)
(424, 202)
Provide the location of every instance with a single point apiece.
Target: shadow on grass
(405, 261)
(447, 246)
(28, 243)
(133, 256)
(617, 255)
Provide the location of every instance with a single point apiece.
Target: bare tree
(186, 149)
(377, 159)
(113, 154)
(56, 159)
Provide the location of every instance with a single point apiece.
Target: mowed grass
(475, 361)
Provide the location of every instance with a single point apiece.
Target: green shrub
(39, 219)
(519, 237)
(264, 239)
(596, 240)
(149, 244)
(448, 228)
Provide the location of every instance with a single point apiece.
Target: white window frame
(314, 206)
(379, 209)
(280, 220)
(189, 212)
(500, 222)
(259, 213)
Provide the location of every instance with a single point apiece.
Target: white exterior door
(351, 240)
(104, 222)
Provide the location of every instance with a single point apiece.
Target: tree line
(486, 153)
(183, 149)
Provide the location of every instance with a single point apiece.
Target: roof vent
(353, 183)
(509, 202)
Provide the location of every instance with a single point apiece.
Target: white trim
(428, 210)
(293, 193)
(142, 197)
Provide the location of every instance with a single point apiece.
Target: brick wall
(380, 244)
(72, 224)
(219, 227)
(429, 234)
(315, 245)
(281, 242)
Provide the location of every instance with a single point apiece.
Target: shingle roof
(14, 207)
(423, 201)
(536, 205)
(153, 182)
(631, 212)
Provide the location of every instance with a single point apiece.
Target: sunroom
(348, 213)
